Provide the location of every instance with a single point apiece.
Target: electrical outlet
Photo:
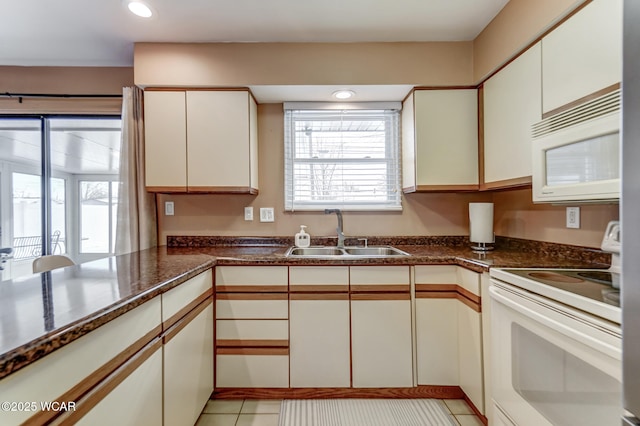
(266, 214)
(573, 217)
(168, 208)
(248, 213)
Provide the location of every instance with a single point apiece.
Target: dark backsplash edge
(587, 254)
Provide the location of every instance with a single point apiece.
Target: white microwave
(576, 153)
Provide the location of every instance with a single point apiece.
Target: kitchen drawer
(252, 330)
(436, 274)
(469, 280)
(318, 275)
(178, 298)
(227, 307)
(251, 278)
(253, 370)
(379, 275)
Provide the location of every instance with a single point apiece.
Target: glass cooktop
(599, 285)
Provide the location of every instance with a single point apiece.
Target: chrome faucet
(339, 228)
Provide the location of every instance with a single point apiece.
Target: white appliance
(557, 344)
(576, 153)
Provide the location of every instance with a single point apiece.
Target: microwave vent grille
(597, 107)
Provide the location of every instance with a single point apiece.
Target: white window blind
(347, 159)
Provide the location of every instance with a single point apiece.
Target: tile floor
(250, 412)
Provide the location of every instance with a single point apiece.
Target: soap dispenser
(302, 238)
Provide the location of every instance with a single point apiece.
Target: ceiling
(102, 32)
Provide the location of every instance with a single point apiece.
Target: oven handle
(507, 298)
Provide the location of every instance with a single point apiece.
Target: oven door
(553, 365)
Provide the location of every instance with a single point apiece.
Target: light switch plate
(168, 208)
(266, 214)
(248, 213)
(573, 217)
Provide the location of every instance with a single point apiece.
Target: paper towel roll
(481, 222)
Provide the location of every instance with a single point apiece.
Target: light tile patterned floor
(251, 412)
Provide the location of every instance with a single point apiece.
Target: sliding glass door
(58, 188)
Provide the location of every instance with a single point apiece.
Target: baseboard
(440, 392)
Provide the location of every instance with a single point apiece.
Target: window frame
(392, 160)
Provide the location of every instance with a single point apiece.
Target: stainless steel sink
(345, 253)
(314, 251)
(374, 251)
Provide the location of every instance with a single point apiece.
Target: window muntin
(348, 159)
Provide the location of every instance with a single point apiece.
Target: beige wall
(423, 214)
(245, 64)
(63, 80)
(518, 24)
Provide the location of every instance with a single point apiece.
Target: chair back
(53, 261)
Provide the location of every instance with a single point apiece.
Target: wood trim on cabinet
(383, 288)
(524, 181)
(380, 296)
(252, 351)
(252, 343)
(582, 100)
(183, 322)
(166, 189)
(331, 288)
(102, 389)
(449, 291)
(422, 391)
(319, 296)
(222, 190)
(184, 311)
(445, 188)
(480, 136)
(252, 296)
(87, 384)
(252, 288)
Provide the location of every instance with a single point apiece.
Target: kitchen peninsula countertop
(43, 312)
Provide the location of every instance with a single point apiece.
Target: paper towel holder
(481, 235)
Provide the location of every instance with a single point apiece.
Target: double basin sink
(345, 253)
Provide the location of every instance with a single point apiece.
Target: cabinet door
(319, 326)
(470, 354)
(381, 337)
(188, 367)
(443, 139)
(381, 343)
(512, 103)
(437, 341)
(165, 141)
(583, 55)
(219, 145)
(135, 401)
(319, 342)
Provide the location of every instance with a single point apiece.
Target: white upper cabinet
(201, 141)
(511, 104)
(440, 140)
(583, 55)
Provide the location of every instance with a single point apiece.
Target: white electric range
(556, 344)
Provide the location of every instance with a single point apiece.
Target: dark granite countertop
(41, 313)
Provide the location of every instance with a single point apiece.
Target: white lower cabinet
(470, 354)
(135, 401)
(188, 369)
(381, 337)
(437, 342)
(252, 327)
(449, 330)
(320, 337)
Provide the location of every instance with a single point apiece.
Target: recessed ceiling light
(140, 8)
(343, 94)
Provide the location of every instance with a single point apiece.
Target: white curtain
(136, 227)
